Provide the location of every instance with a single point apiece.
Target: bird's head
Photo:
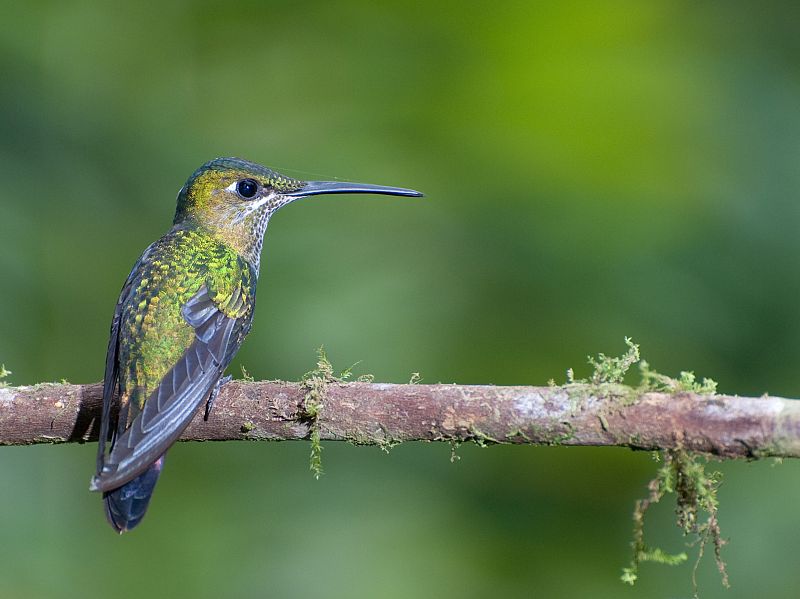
(233, 199)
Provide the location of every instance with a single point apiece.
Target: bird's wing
(111, 377)
(172, 404)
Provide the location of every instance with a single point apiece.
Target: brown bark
(381, 414)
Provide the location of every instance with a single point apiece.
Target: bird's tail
(126, 505)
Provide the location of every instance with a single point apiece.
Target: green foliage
(3, 374)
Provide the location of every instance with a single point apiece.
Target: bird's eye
(247, 188)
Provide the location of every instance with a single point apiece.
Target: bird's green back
(153, 333)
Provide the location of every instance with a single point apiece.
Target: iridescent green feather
(153, 332)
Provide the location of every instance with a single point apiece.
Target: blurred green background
(592, 170)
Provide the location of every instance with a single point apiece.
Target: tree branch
(384, 414)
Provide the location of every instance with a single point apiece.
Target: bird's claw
(214, 392)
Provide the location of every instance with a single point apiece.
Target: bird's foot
(214, 392)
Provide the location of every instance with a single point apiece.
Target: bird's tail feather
(126, 505)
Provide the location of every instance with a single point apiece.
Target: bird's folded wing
(171, 406)
(111, 376)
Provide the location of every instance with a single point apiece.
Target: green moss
(480, 438)
(613, 370)
(246, 376)
(608, 374)
(519, 433)
(629, 575)
(324, 369)
(247, 427)
(607, 369)
(315, 457)
(45, 385)
(4, 374)
(386, 444)
(686, 382)
(381, 439)
(48, 439)
(606, 380)
(565, 436)
(315, 382)
(454, 445)
(683, 474)
(347, 373)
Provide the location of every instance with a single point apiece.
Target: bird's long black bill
(313, 188)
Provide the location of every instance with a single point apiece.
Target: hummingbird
(182, 315)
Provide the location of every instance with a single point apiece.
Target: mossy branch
(680, 419)
(607, 414)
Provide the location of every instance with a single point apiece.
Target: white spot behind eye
(232, 187)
